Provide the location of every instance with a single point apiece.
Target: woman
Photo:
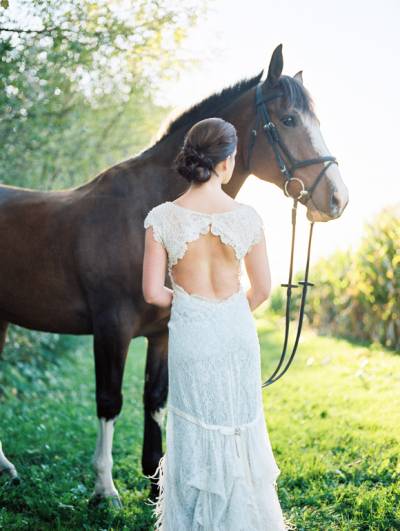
(218, 472)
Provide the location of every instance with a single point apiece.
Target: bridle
(276, 142)
(273, 137)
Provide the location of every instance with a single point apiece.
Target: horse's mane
(296, 96)
(208, 106)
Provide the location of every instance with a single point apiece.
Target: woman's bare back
(209, 267)
(205, 249)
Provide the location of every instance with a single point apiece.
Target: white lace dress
(218, 472)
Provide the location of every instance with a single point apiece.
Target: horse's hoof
(12, 474)
(116, 502)
(94, 500)
(15, 480)
(154, 491)
(97, 501)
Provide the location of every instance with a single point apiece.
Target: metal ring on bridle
(302, 192)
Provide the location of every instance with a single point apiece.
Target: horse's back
(10, 195)
(14, 193)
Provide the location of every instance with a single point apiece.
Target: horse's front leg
(112, 335)
(154, 398)
(7, 467)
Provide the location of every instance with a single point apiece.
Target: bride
(218, 472)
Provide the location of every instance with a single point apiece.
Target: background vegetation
(356, 294)
(77, 83)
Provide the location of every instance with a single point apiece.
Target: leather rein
(274, 139)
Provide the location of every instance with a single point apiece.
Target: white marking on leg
(6, 465)
(159, 415)
(102, 459)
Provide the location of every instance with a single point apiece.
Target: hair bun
(207, 142)
(193, 164)
(198, 156)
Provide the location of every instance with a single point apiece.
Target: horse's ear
(275, 67)
(299, 77)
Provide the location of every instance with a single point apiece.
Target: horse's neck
(151, 170)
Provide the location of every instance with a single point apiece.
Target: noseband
(274, 139)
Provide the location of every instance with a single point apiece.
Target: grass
(334, 424)
(51, 438)
(333, 420)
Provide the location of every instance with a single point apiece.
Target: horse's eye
(289, 121)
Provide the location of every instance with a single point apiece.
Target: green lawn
(333, 421)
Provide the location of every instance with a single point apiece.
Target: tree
(77, 80)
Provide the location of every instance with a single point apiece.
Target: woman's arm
(258, 271)
(154, 267)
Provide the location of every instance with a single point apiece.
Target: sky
(348, 52)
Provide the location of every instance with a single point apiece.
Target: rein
(274, 139)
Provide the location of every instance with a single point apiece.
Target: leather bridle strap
(289, 287)
(276, 142)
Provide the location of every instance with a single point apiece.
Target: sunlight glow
(347, 52)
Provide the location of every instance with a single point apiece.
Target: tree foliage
(77, 80)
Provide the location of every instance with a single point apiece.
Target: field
(333, 420)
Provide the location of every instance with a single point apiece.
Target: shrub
(30, 360)
(356, 294)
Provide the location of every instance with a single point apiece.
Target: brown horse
(71, 260)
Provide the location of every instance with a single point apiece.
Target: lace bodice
(175, 226)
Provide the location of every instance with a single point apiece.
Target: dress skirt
(218, 472)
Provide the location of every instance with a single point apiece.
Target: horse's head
(284, 140)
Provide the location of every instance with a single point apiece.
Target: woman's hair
(205, 144)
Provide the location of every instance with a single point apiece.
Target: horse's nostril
(335, 201)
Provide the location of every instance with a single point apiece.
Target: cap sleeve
(258, 229)
(154, 220)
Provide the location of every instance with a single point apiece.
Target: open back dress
(218, 472)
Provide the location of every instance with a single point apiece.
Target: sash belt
(237, 431)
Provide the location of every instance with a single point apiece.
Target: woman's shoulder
(160, 212)
(252, 212)
(155, 212)
(160, 207)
